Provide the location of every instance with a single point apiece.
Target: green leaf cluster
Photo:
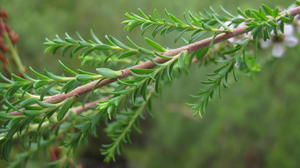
(25, 113)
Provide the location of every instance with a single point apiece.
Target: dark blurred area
(253, 125)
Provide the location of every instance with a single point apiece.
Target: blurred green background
(255, 124)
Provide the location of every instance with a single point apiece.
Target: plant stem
(14, 54)
(149, 64)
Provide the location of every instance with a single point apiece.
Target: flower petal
(278, 50)
(229, 24)
(265, 44)
(247, 35)
(291, 41)
(232, 40)
(288, 29)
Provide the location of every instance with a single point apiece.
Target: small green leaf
(268, 10)
(4, 85)
(181, 59)
(141, 12)
(127, 54)
(109, 73)
(155, 45)
(65, 108)
(18, 78)
(174, 18)
(226, 11)
(5, 78)
(202, 52)
(163, 56)
(116, 42)
(238, 20)
(207, 27)
(41, 76)
(85, 77)
(67, 69)
(241, 12)
(46, 105)
(142, 71)
(95, 37)
(53, 76)
(40, 84)
(27, 102)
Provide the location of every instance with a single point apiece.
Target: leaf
(226, 11)
(155, 45)
(4, 85)
(179, 36)
(67, 69)
(46, 105)
(5, 148)
(157, 29)
(99, 47)
(53, 76)
(95, 37)
(268, 10)
(27, 102)
(72, 84)
(5, 78)
(65, 50)
(127, 54)
(207, 27)
(109, 73)
(86, 72)
(202, 52)
(163, 56)
(142, 71)
(241, 12)
(46, 90)
(174, 18)
(65, 108)
(41, 76)
(141, 12)
(18, 78)
(238, 20)
(84, 77)
(116, 42)
(181, 59)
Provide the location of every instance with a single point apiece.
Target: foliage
(29, 103)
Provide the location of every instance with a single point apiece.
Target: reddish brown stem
(149, 64)
(84, 107)
(76, 110)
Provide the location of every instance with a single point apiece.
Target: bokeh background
(255, 123)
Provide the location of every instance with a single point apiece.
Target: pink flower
(281, 41)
